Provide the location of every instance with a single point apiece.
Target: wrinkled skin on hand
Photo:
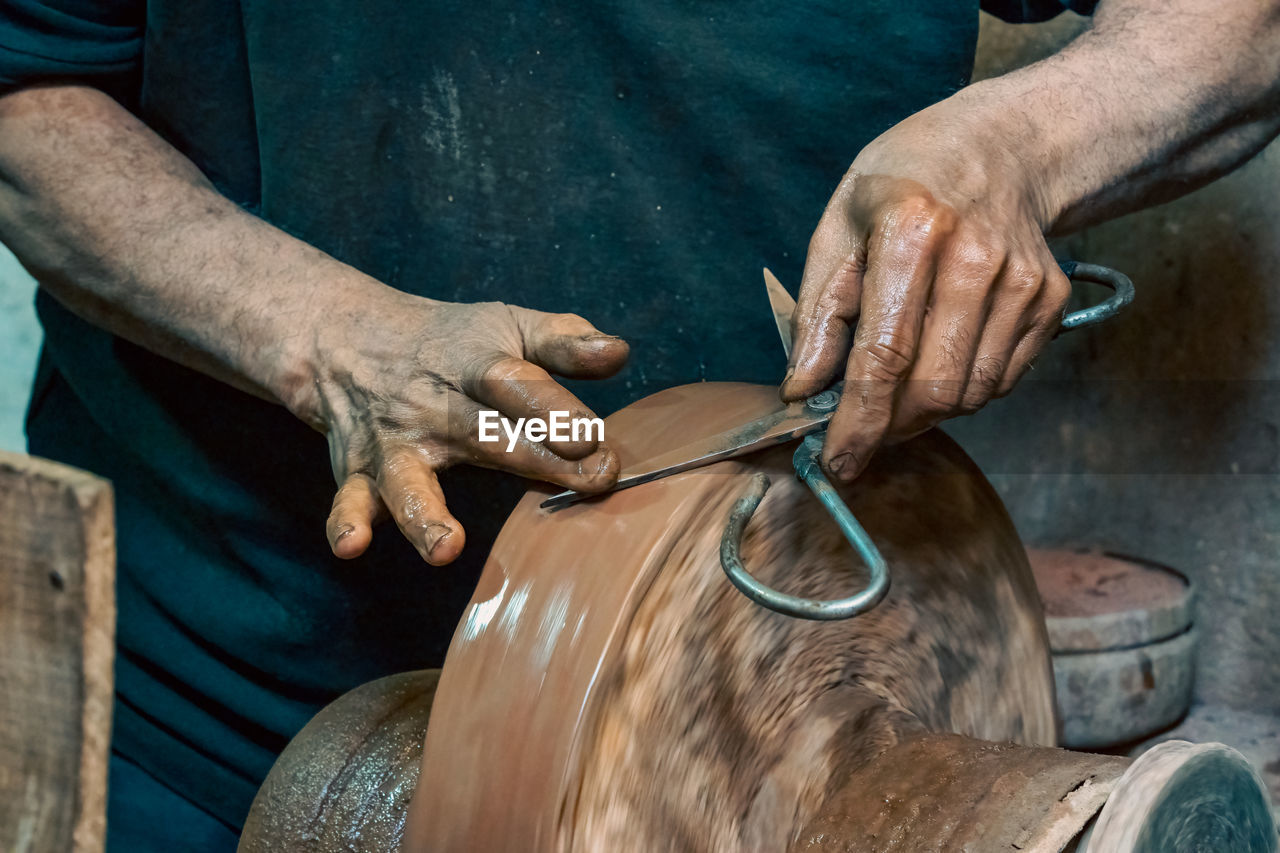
(928, 286)
(399, 394)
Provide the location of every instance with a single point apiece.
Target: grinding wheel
(608, 689)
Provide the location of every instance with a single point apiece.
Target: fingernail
(343, 534)
(840, 462)
(441, 532)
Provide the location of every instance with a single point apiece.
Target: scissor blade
(783, 308)
(794, 421)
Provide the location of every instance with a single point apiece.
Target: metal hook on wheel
(808, 469)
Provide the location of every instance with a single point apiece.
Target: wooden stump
(940, 792)
(57, 635)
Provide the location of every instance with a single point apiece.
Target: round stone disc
(1095, 601)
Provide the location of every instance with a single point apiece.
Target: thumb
(829, 304)
(567, 345)
(823, 330)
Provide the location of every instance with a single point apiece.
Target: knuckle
(888, 357)
(1024, 279)
(975, 263)
(922, 217)
(500, 368)
(1005, 388)
(410, 510)
(576, 322)
(476, 370)
(1057, 292)
(1042, 329)
(390, 471)
(564, 325)
(979, 250)
(983, 383)
(485, 373)
(944, 397)
(494, 312)
(916, 208)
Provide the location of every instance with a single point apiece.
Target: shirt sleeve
(95, 42)
(1033, 11)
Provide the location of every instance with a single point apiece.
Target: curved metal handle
(1117, 281)
(809, 470)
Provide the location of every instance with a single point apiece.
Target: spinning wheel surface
(608, 689)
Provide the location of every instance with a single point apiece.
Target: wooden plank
(57, 645)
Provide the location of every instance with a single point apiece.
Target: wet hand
(399, 391)
(928, 288)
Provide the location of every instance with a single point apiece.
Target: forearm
(928, 281)
(126, 232)
(1158, 98)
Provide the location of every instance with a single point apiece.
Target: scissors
(807, 419)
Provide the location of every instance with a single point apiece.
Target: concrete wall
(1159, 434)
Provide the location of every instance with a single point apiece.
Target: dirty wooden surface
(57, 627)
(945, 792)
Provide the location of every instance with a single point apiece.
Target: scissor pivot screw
(824, 401)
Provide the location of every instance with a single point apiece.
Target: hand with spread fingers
(400, 396)
(928, 288)
(395, 381)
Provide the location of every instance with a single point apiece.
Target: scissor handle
(809, 470)
(1105, 310)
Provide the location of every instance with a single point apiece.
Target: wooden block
(57, 645)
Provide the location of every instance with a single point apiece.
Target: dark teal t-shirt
(633, 161)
